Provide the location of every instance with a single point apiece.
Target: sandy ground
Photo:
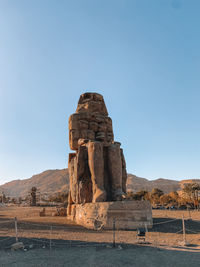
(73, 245)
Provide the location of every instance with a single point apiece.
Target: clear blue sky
(142, 55)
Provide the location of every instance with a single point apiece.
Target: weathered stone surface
(90, 121)
(60, 212)
(98, 171)
(17, 246)
(91, 102)
(33, 198)
(42, 212)
(96, 166)
(115, 170)
(127, 214)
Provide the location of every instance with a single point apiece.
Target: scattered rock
(42, 213)
(60, 212)
(17, 246)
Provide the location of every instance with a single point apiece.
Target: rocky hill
(54, 181)
(136, 184)
(48, 182)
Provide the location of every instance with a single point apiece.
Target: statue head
(90, 122)
(93, 103)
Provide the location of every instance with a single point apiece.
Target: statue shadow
(78, 253)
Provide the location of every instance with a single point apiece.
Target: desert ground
(55, 241)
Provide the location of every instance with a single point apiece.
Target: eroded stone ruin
(33, 199)
(97, 169)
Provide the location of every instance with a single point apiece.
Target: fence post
(189, 213)
(183, 223)
(114, 233)
(16, 232)
(50, 237)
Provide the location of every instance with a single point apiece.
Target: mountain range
(51, 182)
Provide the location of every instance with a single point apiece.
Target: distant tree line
(189, 197)
(59, 197)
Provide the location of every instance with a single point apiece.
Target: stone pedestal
(127, 214)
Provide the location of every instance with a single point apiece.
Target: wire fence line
(168, 221)
(192, 231)
(3, 222)
(48, 235)
(1, 240)
(65, 227)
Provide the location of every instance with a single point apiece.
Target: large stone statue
(97, 169)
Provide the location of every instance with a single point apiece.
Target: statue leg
(69, 206)
(72, 167)
(83, 176)
(124, 173)
(96, 165)
(115, 170)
